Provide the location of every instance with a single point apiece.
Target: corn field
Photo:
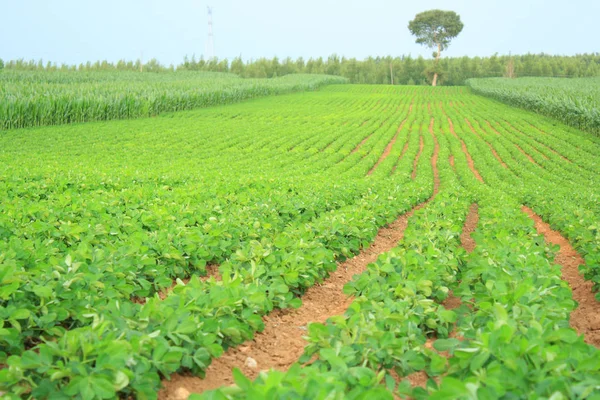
(575, 102)
(34, 98)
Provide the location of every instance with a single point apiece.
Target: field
(362, 241)
(39, 98)
(575, 102)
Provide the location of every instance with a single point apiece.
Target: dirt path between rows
(489, 145)
(550, 149)
(281, 343)
(526, 155)
(466, 151)
(585, 319)
(388, 148)
(467, 242)
(358, 146)
(404, 149)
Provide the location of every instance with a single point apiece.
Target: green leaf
(445, 344)
(241, 380)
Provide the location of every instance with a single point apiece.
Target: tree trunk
(437, 60)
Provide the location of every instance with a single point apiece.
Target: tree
(436, 28)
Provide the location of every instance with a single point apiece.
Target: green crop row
(29, 98)
(575, 102)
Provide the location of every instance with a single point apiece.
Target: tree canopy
(436, 28)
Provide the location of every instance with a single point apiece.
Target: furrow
(585, 319)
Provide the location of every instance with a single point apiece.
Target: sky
(76, 31)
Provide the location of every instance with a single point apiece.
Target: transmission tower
(210, 43)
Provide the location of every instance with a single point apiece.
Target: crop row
(510, 338)
(29, 98)
(572, 101)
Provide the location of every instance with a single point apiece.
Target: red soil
(585, 319)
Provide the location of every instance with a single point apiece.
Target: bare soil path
(585, 319)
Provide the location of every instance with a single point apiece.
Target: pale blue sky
(74, 31)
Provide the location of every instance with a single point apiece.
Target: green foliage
(513, 324)
(32, 98)
(107, 228)
(435, 28)
(372, 70)
(575, 102)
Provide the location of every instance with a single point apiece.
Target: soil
(470, 161)
(464, 149)
(540, 143)
(467, 242)
(387, 151)
(281, 343)
(497, 156)
(526, 155)
(360, 144)
(451, 159)
(489, 145)
(585, 319)
(390, 145)
(470, 126)
(211, 270)
(452, 131)
(492, 128)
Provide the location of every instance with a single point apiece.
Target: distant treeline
(379, 70)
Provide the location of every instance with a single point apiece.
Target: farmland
(154, 252)
(575, 102)
(39, 98)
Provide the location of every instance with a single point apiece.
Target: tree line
(372, 70)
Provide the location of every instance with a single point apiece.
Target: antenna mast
(210, 44)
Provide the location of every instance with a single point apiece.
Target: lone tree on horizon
(436, 28)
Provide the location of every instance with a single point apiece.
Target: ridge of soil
(281, 343)
(585, 319)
